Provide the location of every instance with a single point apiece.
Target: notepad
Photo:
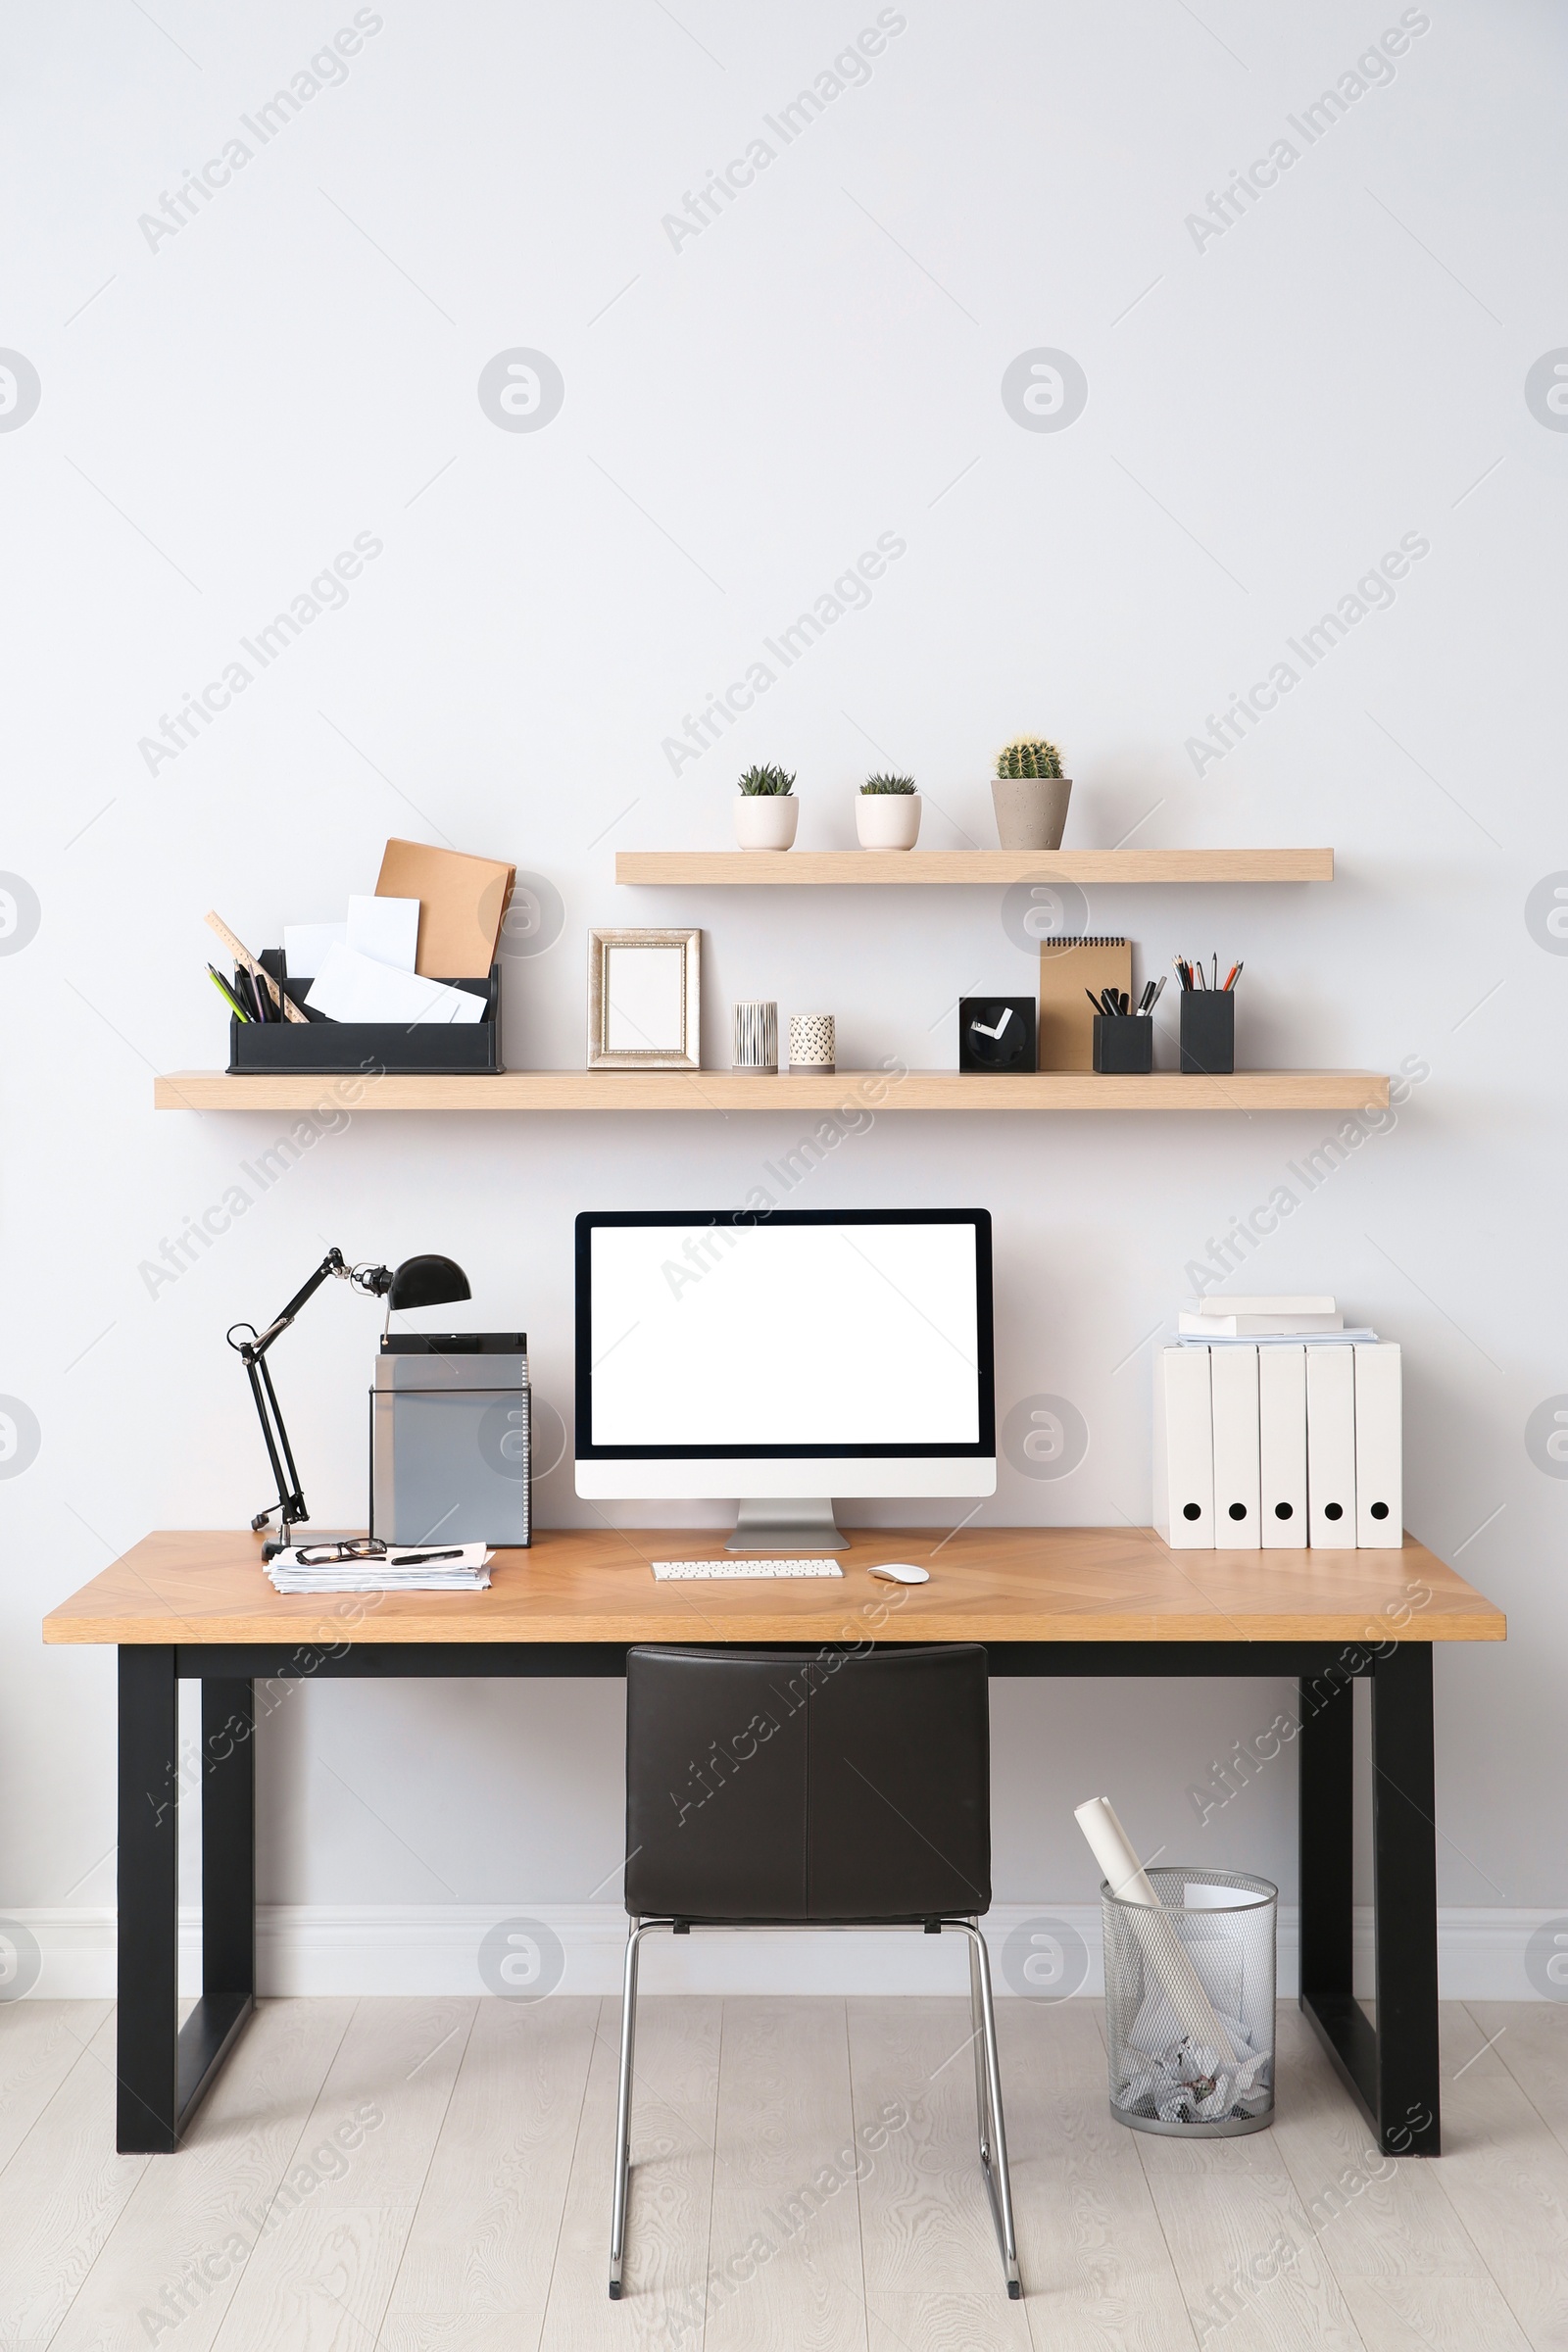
(463, 901)
(1067, 968)
(351, 987)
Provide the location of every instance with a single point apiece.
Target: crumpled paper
(1178, 2081)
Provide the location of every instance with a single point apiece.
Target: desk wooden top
(1012, 1583)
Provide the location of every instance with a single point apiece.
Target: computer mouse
(900, 1572)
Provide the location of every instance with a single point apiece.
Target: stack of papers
(405, 1568)
(1279, 1321)
(435, 916)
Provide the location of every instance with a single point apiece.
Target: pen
(227, 995)
(1160, 991)
(418, 1559)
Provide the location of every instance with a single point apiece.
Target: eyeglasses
(359, 1547)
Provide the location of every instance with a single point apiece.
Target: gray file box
(451, 1439)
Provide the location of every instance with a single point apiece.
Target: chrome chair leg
(993, 2159)
(982, 2088)
(628, 2035)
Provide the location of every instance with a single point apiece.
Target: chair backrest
(807, 1785)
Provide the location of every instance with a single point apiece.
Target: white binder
(1331, 1447)
(1379, 1445)
(1233, 1374)
(1184, 1449)
(1281, 1445)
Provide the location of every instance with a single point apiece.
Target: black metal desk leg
(1327, 1792)
(164, 2068)
(1327, 1849)
(228, 1839)
(1405, 1864)
(147, 2024)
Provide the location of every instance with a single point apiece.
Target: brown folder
(462, 904)
(1067, 968)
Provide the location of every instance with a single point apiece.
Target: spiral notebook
(1069, 967)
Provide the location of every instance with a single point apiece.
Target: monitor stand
(795, 1524)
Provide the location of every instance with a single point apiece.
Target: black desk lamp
(416, 1282)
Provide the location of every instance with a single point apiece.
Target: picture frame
(645, 999)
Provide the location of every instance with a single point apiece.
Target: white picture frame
(645, 999)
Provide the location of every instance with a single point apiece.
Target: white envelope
(386, 928)
(306, 945)
(351, 987)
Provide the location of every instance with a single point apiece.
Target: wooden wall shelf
(797, 869)
(795, 1096)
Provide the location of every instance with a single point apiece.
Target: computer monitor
(783, 1358)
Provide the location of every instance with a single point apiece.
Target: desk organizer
(1190, 2005)
(1124, 1044)
(452, 1439)
(275, 1048)
(1208, 1031)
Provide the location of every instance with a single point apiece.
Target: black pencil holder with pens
(1124, 1044)
(280, 1047)
(1208, 1031)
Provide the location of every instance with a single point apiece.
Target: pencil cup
(756, 1037)
(1190, 2005)
(1124, 1044)
(812, 1042)
(1208, 1031)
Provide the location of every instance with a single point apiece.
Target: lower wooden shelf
(805, 1091)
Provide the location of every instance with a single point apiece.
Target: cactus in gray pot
(1028, 756)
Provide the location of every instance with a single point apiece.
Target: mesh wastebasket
(1190, 2005)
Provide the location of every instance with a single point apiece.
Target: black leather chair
(822, 1789)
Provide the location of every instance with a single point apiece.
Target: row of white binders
(1278, 1447)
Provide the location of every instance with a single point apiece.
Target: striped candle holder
(756, 1037)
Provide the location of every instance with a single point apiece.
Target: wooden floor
(433, 2175)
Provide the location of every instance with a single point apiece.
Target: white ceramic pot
(887, 820)
(766, 820)
(1031, 810)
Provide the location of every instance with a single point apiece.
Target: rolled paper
(1162, 1948)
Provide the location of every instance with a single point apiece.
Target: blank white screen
(784, 1335)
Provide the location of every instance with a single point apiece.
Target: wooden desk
(1043, 1600)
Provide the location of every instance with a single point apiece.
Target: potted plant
(887, 813)
(1030, 794)
(767, 812)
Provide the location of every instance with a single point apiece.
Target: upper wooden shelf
(797, 869)
(792, 1092)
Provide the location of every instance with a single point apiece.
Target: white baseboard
(433, 1948)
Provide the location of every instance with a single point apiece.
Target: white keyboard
(670, 1571)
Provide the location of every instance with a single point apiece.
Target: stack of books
(1277, 1425)
(402, 1568)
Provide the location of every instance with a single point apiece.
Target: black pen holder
(1124, 1044)
(1208, 1032)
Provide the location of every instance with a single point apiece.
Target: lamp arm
(290, 1503)
(260, 1342)
(251, 1348)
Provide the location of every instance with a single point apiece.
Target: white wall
(1269, 411)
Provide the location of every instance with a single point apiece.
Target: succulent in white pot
(767, 811)
(1030, 794)
(887, 813)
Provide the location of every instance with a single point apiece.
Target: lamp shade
(428, 1282)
